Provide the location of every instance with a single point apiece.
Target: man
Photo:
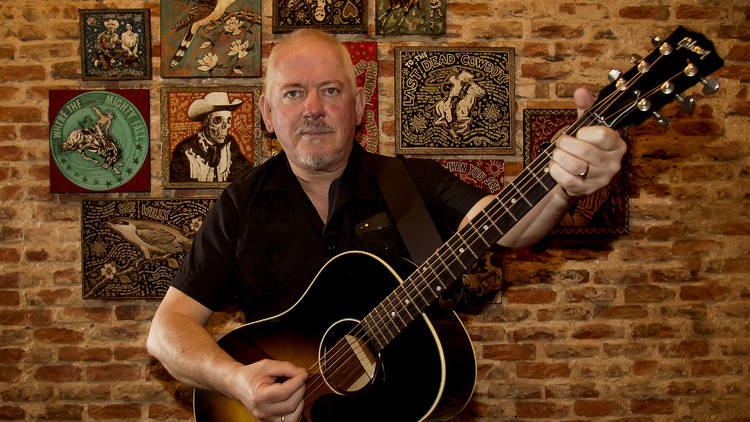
(210, 155)
(301, 206)
(129, 46)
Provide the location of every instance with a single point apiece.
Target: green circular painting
(99, 140)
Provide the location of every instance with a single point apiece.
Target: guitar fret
(479, 234)
(514, 200)
(370, 329)
(460, 236)
(492, 220)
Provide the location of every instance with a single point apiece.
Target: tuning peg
(614, 75)
(686, 103)
(660, 119)
(635, 59)
(710, 86)
(656, 40)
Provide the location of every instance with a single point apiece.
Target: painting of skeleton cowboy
(210, 137)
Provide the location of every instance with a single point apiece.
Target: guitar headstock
(678, 62)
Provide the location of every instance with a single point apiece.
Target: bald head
(310, 40)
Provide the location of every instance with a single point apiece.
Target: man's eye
(331, 91)
(292, 94)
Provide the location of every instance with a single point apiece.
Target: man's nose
(313, 106)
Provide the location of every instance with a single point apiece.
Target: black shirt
(263, 242)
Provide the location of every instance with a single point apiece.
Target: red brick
(685, 349)
(9, 255)
(595, 408)
(115, 411)
(88, 354)
(12, 413)
(19, 114)
(16, 73)
(131, 353)
(695, 12)
(161, 411)
(52, 297)
(551, 30)
(58, 373)
(509, 351)
(11, 355)
(621, 312)
(98, 314)
(653, 406)
(536, 409)
(645, 12)
(653, 330)
(63, 412)
(703, 292)
(541, 370)
(468, 9)
(647, 294)
(113, 373)
(36, 256)
(645, 367)
(9, 373)
(530, 295)
(58, 335)
(594, 331)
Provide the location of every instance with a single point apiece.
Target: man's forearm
(190, 353)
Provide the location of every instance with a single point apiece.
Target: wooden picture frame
(99, 141)
(186, 135)
(335, 16)
(203, 41)
(454, 100)
(115, 44)
(132, 248)
(603, 213)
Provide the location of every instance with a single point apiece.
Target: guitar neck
(456, 256)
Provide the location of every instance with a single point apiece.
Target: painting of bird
(150, 237)
(199, 15)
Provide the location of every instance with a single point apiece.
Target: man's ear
(265, 112)
(359, 104)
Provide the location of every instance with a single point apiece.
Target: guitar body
(426, 373)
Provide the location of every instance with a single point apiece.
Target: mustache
(314, 126)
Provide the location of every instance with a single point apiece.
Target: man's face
(312, 105)
(216, 125)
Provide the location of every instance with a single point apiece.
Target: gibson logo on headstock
(693, 46)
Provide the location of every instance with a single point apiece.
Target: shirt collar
(358, 179)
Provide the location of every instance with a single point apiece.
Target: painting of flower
(205, 39)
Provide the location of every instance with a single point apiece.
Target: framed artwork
(115, 44)
(410, 17)
(343, 16)
(210, 39)
(131, 248)
(99, 141)
(485, 174)
(454, 100)
(365, 59)
(210, 135)
(606, 211)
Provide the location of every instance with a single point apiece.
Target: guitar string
(359, 331)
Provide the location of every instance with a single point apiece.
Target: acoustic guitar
(385, 353)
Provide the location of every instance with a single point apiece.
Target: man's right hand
(271, 389)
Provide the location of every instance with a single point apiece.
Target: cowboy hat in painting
(213, 101)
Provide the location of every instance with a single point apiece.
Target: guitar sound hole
(346, 362)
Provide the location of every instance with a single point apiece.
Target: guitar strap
(413, 221)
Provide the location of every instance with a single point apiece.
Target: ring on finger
(584, 173)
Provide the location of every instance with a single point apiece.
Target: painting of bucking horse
(99, 141)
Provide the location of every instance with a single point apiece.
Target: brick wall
(652, 326)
